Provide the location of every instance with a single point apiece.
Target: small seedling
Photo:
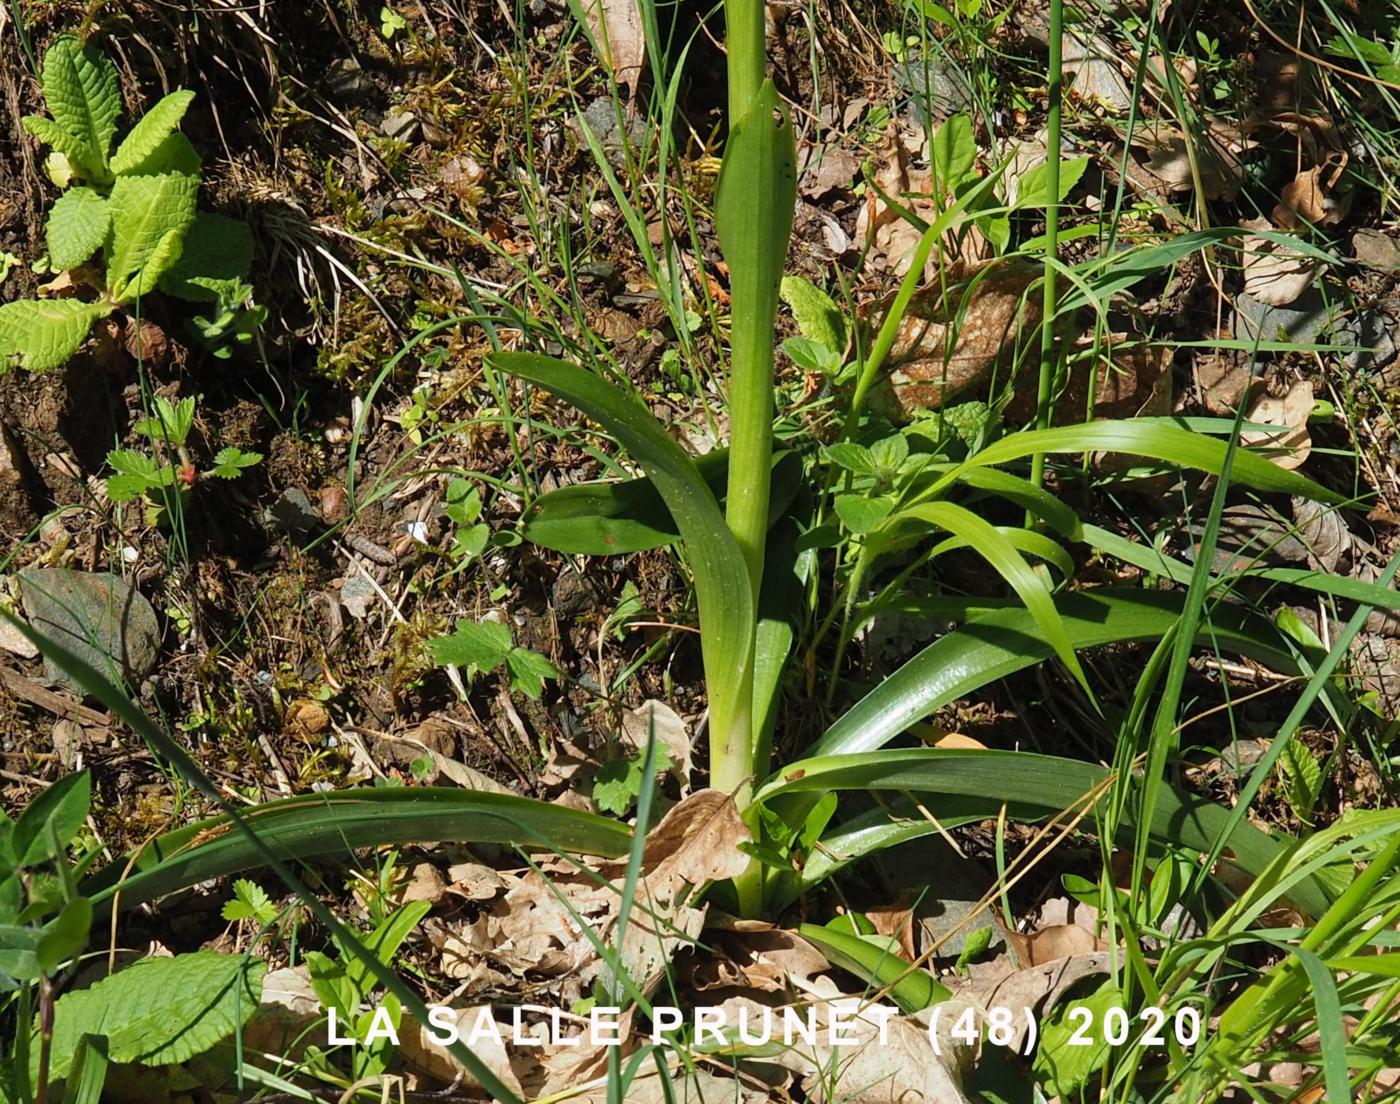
(250, 902)
(463, 508)
(481, 647)
(136, 206)
(168, 470)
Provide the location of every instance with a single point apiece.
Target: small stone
(935, 89)
(309, 716)
(292, 513)
(101, 619)
(358, 594)
(1376, 249)
(1302, 322)
(335, 504)
(399, 124)
(67, 741)
(15, 642)
(1370, 332)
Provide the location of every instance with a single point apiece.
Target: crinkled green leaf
(478, 646)
(815, 312)
(42, 334)
(158, 262)
(147, 135)
(77, 227)
(81, 92)
(146, 212)
(159, 1011)
(172, 154)
(217, 248)
(528, 670)
(170, 421)
(51, 134)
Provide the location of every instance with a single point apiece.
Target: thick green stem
(1048, 358)
(753, 216)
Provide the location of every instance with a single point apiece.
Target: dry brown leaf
(1167, 167)
(1291, 440)
(828, 168)
(421, 1051)
(999, 984)
(670, 732)
(425, 883)
(475, 881)
(1275, 273)
(958, 740)
(1052, 943)
(760, 957)
(621, 36)
(1323, 532)
(896, 921)
(287, 1007)
(1307, 199)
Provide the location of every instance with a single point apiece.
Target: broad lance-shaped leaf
(1154, 438)
(721, 576)
(618, 517)
(82, 94)
(146, 211)
(1004, 641)
(1049, 782)
(158, 1011)
(42, 334)
(1007, 561)
(321, 825)
(147, 135)
(77, 227)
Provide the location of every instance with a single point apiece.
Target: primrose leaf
(77, 227)
(1064, 1061)
(148, 212)
(1302, 774)
(172, 154)
(528, 670)
(147, 135)
(218, 253)
(815, 312)
(41, 334)
(51, 134)
(1035, 186)
(478, 646)
(159, 1011)
(81, 91)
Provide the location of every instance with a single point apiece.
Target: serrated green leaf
(159, 1011)
(478, 646)
(146, 211)
(230, 462)
(81, 91)
(77, 227)
(171, 421)
(815, 312)
(528, 670)
(616, 785)
(813, 356)
(852, 457)
(42, 334)
(250, 902)
(218, 251)
(136, 474)
(147, 135)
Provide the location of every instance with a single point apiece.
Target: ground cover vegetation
(880, 517)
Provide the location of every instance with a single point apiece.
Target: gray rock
(399, 124)
(1376, 249)
(1302, 321)
(293, 513)
(101, 619)
(951, 886)
(14, 641)
(935, 89)
(1370, 331)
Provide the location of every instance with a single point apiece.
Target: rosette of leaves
(134, 205)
